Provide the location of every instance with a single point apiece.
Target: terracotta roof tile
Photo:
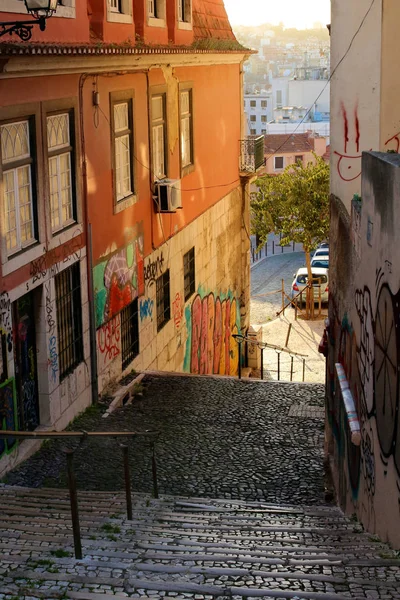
(288, 144)
(211, 21)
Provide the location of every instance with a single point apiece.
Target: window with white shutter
(186, 132)
(159, 165)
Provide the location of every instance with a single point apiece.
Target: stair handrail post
(262, 362)
(73, 497)
(154, 469)
(127, 477)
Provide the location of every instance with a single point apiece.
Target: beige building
(363, 405)
(282, 150)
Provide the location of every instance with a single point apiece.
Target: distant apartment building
(281, 150)
(258, 109)
(295, 96)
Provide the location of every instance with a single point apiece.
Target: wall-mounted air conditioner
(168, 196)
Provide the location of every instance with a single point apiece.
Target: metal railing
(240, 339)
(73, 494)
(251, 154)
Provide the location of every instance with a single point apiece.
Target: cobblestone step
(187, 549)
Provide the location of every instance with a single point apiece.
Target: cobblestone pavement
(266, 276)
(219, 438)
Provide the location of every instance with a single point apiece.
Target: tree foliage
(294, 203)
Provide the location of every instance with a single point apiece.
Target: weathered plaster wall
(198, 336)
(364, 336)
(355, 92)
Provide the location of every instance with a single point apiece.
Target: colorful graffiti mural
(108, 342)
(8, 415)
(119, 278)
(211, 320)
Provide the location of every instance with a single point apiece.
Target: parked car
(321, 261)
(320, 277)
(321, 252)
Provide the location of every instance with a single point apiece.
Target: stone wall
(364, 336)
(197, 338)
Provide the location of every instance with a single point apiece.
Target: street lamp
(39, 9)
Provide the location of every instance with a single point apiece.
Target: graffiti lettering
(109, 341)
(38, 269)
(146, 309)
(8, 414)
(396, 142)
(177, 310)
(153, 269)
(349, 165)
(5, 312)
(49, 310)
(210, 347)
(53, 358)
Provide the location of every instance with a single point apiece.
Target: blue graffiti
(146, 309)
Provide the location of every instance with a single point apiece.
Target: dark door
(25, 362)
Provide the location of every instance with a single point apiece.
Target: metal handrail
(82, 435)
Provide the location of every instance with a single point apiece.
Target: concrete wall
(197, 338)
(364, 337)
(304, 92)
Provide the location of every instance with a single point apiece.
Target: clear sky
(293, 13)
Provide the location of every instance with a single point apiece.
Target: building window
(278, 162)
(298, 159)
(115, 6)
(252, 118)
(156, 9)
(129, 333)
(253, 131)
(264, 103)
(253, 103)
(189, 273)
(158, 125)
(279, 98)
(17, 158)
(263, 118)
(163, 300)
(123, 149)
(69, 320)
(61, 162)
(186, 128)
(184, 11)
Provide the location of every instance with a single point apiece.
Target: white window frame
(186, 116)
(14, 166)
(283, 163)
(156, 13)
(184, 14)
(56, 153)
(118, 98)
(119, 11)
(64, 11)
(159, 149)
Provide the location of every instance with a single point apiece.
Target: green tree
(294, 204)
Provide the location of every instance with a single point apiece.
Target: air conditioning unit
(168, 195)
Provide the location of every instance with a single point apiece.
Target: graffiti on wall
(146, 309)
(153, 269)
(211, 320)
(8, 415)
(177, 310)
(119, 278)
(349, 161)
(109, 342)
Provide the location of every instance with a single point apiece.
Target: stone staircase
(186, 548)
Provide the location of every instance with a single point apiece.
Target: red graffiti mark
(357, 122)
(210, 333)
(108, 340)
(346, 127)
(217, 336)
(196, 331)
(177, 310)
(204, 338)
(140, 266)
(396, 139)
(227, 335)
(345, 163)
(119, 297)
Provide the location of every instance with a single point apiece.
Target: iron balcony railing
(251, 153)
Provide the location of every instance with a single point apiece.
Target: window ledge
(187, 170)
(66, 234)
(125, 203)
(185, 25)
(115, 17)
(154, 22)
(23, 257)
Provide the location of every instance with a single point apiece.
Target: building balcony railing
(251, 154)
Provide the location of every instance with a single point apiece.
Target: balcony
(251, 154)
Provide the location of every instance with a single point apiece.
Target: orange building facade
(124, 214)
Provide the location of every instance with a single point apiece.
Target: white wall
(304, 92)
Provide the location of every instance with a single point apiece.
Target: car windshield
(323, 264)
(302, 279)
